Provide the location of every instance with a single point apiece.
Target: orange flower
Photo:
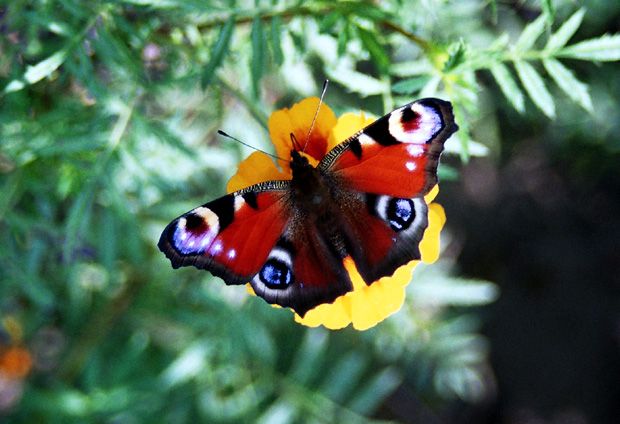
(366, 305)
(15, 360)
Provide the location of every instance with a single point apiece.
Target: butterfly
(288, 238)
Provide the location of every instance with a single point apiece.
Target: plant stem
(248, 17)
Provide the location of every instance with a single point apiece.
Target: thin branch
(247, 18)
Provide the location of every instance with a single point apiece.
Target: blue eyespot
(400, 213)
(276, 274)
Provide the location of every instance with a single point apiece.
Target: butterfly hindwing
(303, 270)
(385, 232)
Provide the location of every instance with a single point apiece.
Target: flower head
(15, 363)
(366, 305)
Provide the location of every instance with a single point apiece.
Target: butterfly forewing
(230, 236)
(398, 154)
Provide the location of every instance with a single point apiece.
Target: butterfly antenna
(316, 114)
(222, 133)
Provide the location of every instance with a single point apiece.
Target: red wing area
(398, 170)
(316, 264)
(230, 236)
(398, 154)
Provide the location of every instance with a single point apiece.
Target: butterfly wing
(301, 272)
(397, 154)
(231, 236)
(382, 174)
(250, 236)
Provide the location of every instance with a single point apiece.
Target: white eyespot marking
(421, 212)
(381, 207)
(282, 255)
(411, 166)
(232, 253)
(216, 248)
(425, 123)
(366, 140)
(209, 216)
(196, 231)
(239, 202)
(415, 150)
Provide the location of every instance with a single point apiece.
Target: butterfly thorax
(312, 197)
(309, 188)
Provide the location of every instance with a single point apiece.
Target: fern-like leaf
(535, 87)
(565, 79)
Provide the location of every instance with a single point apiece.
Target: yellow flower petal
(429, 246)
(365, 306)
(347, 125)
(430, 196)
(330, 315)
(297, 121)
(256, 168)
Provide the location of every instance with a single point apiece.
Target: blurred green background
(108, 118)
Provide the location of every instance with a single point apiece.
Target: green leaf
(276, 40)
(604, 49)
(559, 38)
(474, 148)
(548, 10)
(358, 82)
(258, 54)
(155, 4)
(377, 389)
(343, 38)
(410, 85)
(493, 6)
(219, 51)
(375, 49)
(327, 23)
(508, 86)
(279, 412)
(456, 56)
(447, 173)
(343, 376)
(530, 34)
(77, 220)
(565, 79)
(37, 72)
(412, 68)
(309, 355)
(535, 87)
(455, 291)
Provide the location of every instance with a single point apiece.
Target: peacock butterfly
(288, 238)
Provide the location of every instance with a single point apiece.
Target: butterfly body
(288, 238)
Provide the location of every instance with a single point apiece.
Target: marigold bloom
(366, 305)
(15, 360)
